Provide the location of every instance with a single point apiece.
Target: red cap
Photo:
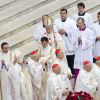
(55, 65)
(34, 52)
(86, 62)
(97, 58)
(57, 51)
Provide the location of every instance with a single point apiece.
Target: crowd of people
(68, 48)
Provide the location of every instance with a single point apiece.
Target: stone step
(20, 9)
(5, 2)
(26, 20)
(8, 3)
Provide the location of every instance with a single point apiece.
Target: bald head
(56, 68)
(88, 67)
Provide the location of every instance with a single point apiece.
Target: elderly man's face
(80, 23)
(57, 70)
(49, 29)
(88, 67)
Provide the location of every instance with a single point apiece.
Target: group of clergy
(67, 49)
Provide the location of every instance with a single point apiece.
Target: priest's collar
(44, 26)
(64, 19)
(81, 14)
(82, 29)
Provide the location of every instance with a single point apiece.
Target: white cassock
(14, 77)
(86, 82)
(10, 79)
(87, 17)
(56, 84)
(5, 86)
(45, 77)
(68, 26)
(84, 50)
(36, 72)
(96, 73)
(39, 31)
(46, 53)
(7, 57)
(65, 70)
(26, 84)
(96, 49)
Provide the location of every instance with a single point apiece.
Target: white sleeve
(68, 70)
(59, 40)
(88, 86)
(72, 40)
(88, 42)
(71, 27)
(96, 31)
(53, 90)
(71, 34)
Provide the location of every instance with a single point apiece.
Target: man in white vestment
(83, 14)
(64, 27)
(84, 45)
(41, 28)
(96, 50)
(86, 81)
(96, 72)
(36, 71)
(46, 52)
(65, 70)
(57, 84)
(10, 79)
